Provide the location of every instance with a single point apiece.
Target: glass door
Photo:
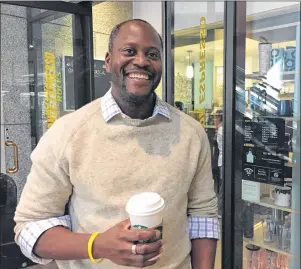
(267, 145)
(198, 79)
(37, 87)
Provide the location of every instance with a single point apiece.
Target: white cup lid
(146, 203)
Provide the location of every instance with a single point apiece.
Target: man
(96, 158)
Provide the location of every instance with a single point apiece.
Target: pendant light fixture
(189, 69)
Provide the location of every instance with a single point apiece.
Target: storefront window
(57, 45)
(268, 118)
(199, 70)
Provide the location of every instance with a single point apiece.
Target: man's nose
(141, 60)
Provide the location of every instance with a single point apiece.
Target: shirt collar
(110, 108)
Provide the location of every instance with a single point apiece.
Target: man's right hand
(59, 243)
(116, 245)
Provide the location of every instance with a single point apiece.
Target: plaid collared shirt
(110, 109)
(199, 227)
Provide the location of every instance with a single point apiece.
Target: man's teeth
(140, 76)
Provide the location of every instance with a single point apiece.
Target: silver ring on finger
(134, 249)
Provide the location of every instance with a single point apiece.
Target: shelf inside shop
(257, 240)
(268, 202)
(283, 30)
(286, 96)
(293, 165)
(286, 76)
(280, 117)
(245, 258)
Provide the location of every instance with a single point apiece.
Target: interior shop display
(261, 258)
(290, 58)
(270, 153)
(269, 56)
(277, 58)
(264, 49)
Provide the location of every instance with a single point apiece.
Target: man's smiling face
(135, 60)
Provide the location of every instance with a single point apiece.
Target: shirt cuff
(32, 232)
(204, 227)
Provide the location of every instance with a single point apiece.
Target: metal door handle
(15, 168)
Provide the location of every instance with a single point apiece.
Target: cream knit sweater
(101, 165)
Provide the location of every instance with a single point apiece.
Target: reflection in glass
(198, 56)
(55, 79)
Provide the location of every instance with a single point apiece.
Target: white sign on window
(250, 191)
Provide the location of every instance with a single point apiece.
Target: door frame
(235, 30)
(82, 34)
(60, 6)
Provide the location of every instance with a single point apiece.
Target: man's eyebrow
(156, 48)
(134, 45)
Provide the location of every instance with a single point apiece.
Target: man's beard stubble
(134, 99)
(130, 98)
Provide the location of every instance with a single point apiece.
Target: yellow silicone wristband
(90, 245)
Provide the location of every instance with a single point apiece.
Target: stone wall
(15, 90)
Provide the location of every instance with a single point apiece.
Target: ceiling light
(189, 69)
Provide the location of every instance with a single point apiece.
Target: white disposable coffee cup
(146, 211)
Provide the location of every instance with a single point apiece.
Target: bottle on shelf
(253, 257)
(271, 260)
(248, 221)
(286, 233)
(269, 229)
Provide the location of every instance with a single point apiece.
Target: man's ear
(108, 62)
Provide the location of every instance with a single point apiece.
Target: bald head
(116, 29)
